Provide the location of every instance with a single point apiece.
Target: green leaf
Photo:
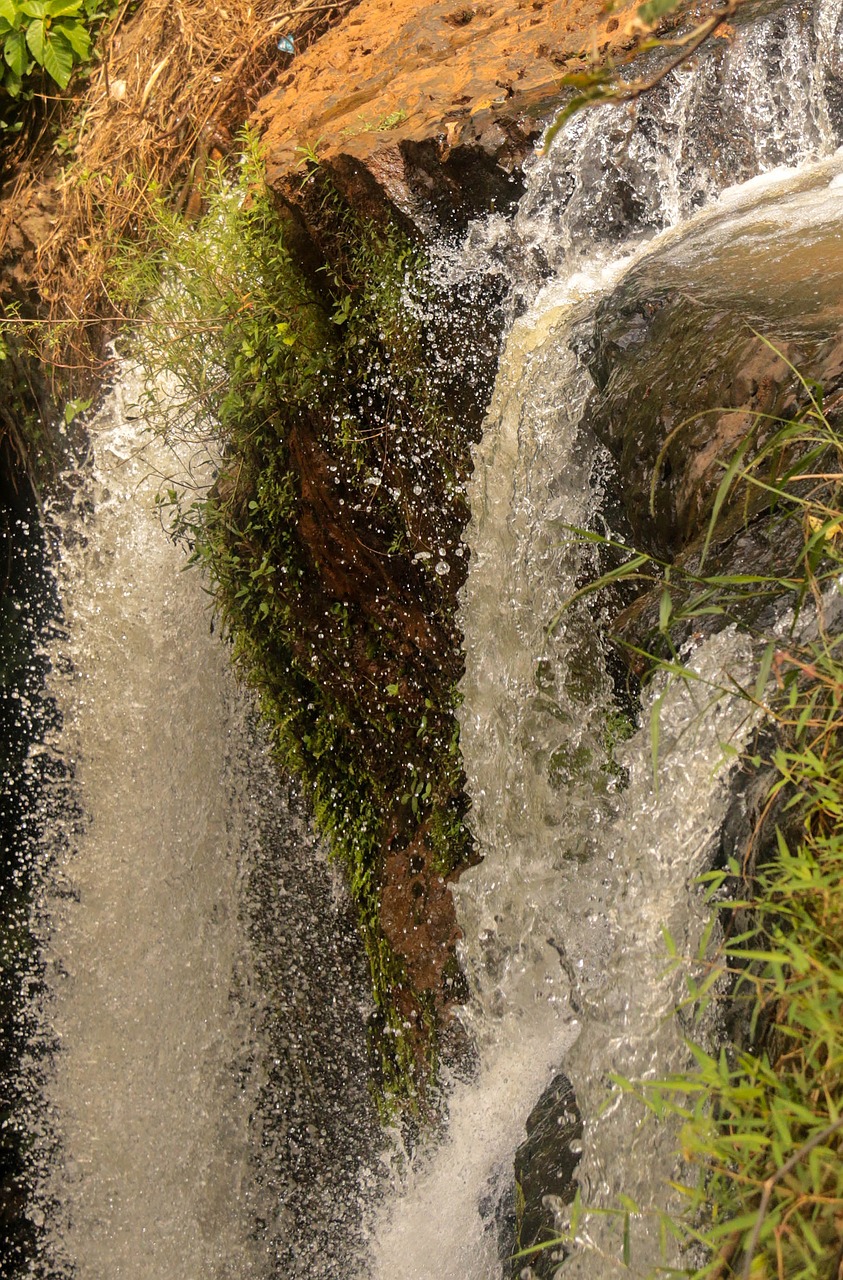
(12, 83)
(653, 10)
(665, 610)
(732, 472)
(668, 941)
(655, 735)
(576, 1212)
(626, 570)
(706, 937)
(392, 689)
(764, 671)
(72, 410)
(14, 51)
(9, 16)
(58, 60)
(36, 39)
(76, 36)
(34, 8)
(586, 79)
(63, 8)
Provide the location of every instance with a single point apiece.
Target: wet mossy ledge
(346, 387)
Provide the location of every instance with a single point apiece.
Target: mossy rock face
(697, 349)
(545, 1164)
(333, 536)
(680, 386)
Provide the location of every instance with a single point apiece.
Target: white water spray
(150, 1091)
(570, 865)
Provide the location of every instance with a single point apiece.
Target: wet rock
(351, 558)
(545, 1164)
(835, 86)
(680, 386)
(418, 919)
(683, 381)
(428, 111)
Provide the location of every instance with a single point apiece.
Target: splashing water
(563, 919)
(198, 1109)
(150, 1003)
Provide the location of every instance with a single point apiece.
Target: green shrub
(49, 34)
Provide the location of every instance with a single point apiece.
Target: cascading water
(563, 919)
(768, 95)
(141, 909)
(183, 1104)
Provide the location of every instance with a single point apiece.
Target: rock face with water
(545, 1164)
(419, 922)
(429, 110)
(436, 134)
(619, 353)
(733, 384)
(690, 363)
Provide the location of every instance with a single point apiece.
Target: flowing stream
(186, 1120)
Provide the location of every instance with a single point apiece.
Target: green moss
(339, 495)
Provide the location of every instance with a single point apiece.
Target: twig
(309, 8)
(725, 1256)
(786, 1168)
(630, 90)
(614, 91)
(837, 1272)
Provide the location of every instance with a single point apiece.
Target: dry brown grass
(176, 81)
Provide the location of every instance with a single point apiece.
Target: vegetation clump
(49, 35)
(331, 533)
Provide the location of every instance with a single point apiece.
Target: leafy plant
(50, 34)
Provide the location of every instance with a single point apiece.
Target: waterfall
(199, 1107)
(183, 1106)
(585, 859)
(149, 990)
(767, 95)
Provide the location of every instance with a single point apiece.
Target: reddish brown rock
(431, 108)
(418, 918)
